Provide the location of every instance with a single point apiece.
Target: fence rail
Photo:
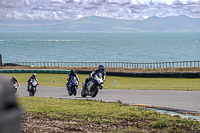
(112, 64)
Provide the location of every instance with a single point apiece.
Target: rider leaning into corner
(33, 76)
(72, 74)
(92, 75)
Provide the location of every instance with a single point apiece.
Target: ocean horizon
(99, 47)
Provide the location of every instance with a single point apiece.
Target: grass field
(58, 115)
(192, 84)
(99, 116)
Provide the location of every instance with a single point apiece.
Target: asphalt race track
(183, 100)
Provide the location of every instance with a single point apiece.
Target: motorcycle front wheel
(94, 91)
(83, 93)
(32, 92)
(15, 90)
(74, 90)
(69, 92)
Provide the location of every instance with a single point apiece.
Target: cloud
(75, 9)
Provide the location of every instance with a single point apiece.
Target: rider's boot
(84, 87)
(86, 81)
(67, 87)
(27, 87)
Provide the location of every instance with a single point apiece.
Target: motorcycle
(32, 90)
(15, 86)
(92, 86)
(73, 86)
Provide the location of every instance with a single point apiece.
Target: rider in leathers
(33, 76)
(92, 75)
(14, 80)
(72, 74)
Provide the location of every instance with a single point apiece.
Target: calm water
(114, 47)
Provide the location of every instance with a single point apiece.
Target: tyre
(15, 90)
(83, 93)
(95, 91)
(74, 90)
(69, 93)
(32, 93)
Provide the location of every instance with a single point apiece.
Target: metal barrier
(34, 71)
(111, 64)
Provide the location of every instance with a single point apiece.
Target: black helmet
(101, 68)
(72, 71)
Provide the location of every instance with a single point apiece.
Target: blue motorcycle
(92, 86)
(33, 89)
(73, 86)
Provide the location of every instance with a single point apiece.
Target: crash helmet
(101, 68)
(13, 77)
(72, 71)
(33, 75)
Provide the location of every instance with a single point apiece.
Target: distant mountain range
(101, 24)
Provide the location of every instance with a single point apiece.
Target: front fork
(101, 86)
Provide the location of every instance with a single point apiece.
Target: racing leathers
(13, 81)
(70, 76)
(29, 82)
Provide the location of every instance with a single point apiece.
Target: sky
(68, 10)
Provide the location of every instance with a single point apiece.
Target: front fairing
(73, 82)
(15, 85)
(98, 78)
(34, 83)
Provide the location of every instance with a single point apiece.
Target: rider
(92, 75)
(14, 80)
(72, 74)
(33, 76)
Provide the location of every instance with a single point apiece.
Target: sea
(99, 47)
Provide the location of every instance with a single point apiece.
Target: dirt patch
(31, 123)
(35, 123)
(38, 122)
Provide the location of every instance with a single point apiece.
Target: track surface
(185, 100)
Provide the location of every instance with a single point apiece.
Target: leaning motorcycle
(73, 86)
(15, 86)
(92, 86)
(32, 90)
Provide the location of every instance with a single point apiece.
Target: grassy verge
(106, 117)
(122, 82)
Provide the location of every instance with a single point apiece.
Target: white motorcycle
(92, 86)
(15, 86)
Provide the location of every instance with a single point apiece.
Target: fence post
(0, 60)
